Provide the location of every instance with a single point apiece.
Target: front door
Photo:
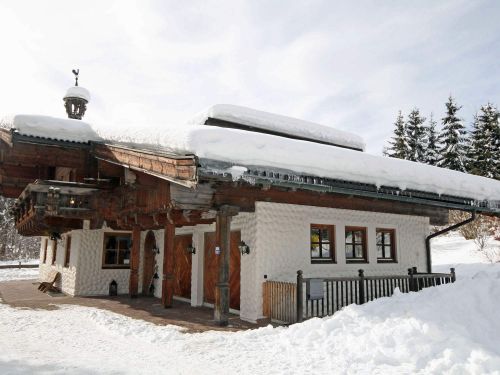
(182, 266)
(211, 274)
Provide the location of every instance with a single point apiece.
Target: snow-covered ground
(18, 273)
(452, 329)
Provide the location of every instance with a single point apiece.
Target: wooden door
(182, 266)
(210, 270)
(148, 268)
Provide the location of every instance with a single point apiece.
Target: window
(54, 251)
(386, 245)
(355, 245)
(116, 252)
(322, 243)
(44, 249)
(67, 253)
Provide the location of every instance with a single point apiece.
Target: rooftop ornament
(76, 99)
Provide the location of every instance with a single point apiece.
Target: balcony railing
(53, 199)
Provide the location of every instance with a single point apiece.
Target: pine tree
(416, 136)
(398, 146)
(484, 151)
(432, 154)
(452, 139)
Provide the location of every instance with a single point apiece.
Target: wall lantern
(244, 249)
(191, 249)
(72, 201)
(155, 249)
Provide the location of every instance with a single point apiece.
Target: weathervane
(76, 73)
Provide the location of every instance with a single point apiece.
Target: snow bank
(254, 149)
(78, 92)
(448, 329)
(7, 274)
(278, 123)
(51, 128)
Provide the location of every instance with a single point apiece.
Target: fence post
(300, 306)
(411, 280)
(361, 275)
(453, 276)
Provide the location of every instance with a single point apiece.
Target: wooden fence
(286, 302)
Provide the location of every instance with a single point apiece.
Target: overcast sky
(347, 64)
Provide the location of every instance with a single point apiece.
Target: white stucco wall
(67, 280)
(283, 247)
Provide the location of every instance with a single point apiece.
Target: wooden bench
(48, 284)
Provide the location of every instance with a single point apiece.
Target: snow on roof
(241, 148)
(278, 123)
(78, 92)
(51, 128)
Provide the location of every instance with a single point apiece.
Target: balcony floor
(24, 294)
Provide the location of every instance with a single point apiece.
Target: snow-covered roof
(279, 124)
(78, 92)
(241, 148)
(47, 127)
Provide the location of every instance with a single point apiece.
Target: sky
(153, 64)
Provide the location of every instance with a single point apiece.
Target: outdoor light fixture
(72, 201)
(155, 249)
(191, 249)
(244, 249)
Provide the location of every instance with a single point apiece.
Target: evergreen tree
(416, 136)
(452, 139)
(398, 146)
(432, 154)
(484, 151)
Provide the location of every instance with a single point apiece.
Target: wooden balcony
(49, 207)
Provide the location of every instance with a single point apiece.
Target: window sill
(115, 267)
(354, 261)
(386, 261)
(326, 261)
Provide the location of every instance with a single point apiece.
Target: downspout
(431, 236)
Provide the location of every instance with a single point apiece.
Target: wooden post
(411, 280)
(133, 287)
(223, 242)
(453, 276)
(300, 302)
(167, 288)
(361, 275)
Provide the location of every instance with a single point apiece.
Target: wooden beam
(223, 241)
(167, 289)
(133, 288)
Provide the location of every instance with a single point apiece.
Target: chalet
(207, 212)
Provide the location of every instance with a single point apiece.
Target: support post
(361, 286)
(300, 293)
(223, 241)
(411, 280)
(167, 286)
(133, 287)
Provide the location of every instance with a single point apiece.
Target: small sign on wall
(217, 250)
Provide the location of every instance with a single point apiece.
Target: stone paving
(24, 294)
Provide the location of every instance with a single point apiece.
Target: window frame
(392, 233)
(364, 243)
(67, 252)
(54, 252)
(331, 240)
(115, 266)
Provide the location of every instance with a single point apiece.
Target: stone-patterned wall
(283, 235)
(68, 274)
(91, 278)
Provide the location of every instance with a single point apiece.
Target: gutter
(431, 236)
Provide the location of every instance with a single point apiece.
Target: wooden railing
(286, 302)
